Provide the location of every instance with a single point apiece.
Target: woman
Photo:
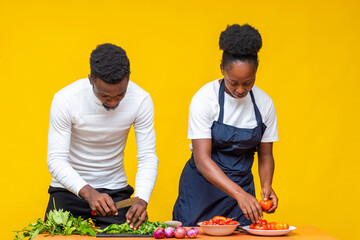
(229, 120)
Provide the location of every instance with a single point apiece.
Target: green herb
(146, 228)
(58, 223)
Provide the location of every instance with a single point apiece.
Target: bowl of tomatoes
(218, 226)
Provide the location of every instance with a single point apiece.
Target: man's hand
(100, 203)
(137, 210)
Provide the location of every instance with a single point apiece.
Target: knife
(123, 203)
(127, 202)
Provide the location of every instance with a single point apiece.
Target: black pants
(68, 201)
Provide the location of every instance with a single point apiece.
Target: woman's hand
(137, 210)
(267, 193)
(249, 206)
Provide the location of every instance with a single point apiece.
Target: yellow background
(309, 65)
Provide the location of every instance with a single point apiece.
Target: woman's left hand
(267, 193)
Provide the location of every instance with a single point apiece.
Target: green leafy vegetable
(58, 223)
(146, 228)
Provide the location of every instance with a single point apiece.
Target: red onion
(169, 232)
(159, 233)
(180, 232)
(192, 232)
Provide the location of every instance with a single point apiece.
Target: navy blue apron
(233, 151)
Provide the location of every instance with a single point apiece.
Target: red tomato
(271, 225)
(266, 205)
(205, 223)
(228, 220)
(262, 221)
(233, 223)
(252, 226)
(212, 222)
(260, 226)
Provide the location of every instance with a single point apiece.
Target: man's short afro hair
(109, 63)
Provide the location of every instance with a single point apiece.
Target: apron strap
(257, 112)
(221, 101)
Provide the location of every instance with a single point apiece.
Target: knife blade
(127, 202)
(123, 203)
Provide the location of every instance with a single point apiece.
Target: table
(301, 233)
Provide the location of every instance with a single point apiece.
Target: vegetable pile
(58, 223)
(220, 220)
(146, 228)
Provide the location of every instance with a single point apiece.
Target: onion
(192, 232)
(159, 233)
(180, 232)
(169, 232)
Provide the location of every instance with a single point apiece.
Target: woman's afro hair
(240, 41)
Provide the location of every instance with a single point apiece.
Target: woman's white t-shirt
(205, 109)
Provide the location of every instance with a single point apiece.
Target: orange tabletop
(301, 233)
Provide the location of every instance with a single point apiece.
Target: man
(89, 123)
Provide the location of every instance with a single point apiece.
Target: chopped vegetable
(147, 228)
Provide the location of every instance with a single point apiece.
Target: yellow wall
(309, 65)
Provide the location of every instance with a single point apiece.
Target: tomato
(271, 225)
(252, 226)
(212, 222)
(219, 218)
(286, 226)
(205, 223)
(262, 221)
(266, 204)
(279, 226)
(233, 223)
(260, 226)
(228, 220)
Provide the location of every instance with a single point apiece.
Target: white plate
(174, 224)
(269, 232)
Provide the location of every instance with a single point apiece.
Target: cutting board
(112, 235)
(78, 237)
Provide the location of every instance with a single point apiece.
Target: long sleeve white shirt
(86, 142)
